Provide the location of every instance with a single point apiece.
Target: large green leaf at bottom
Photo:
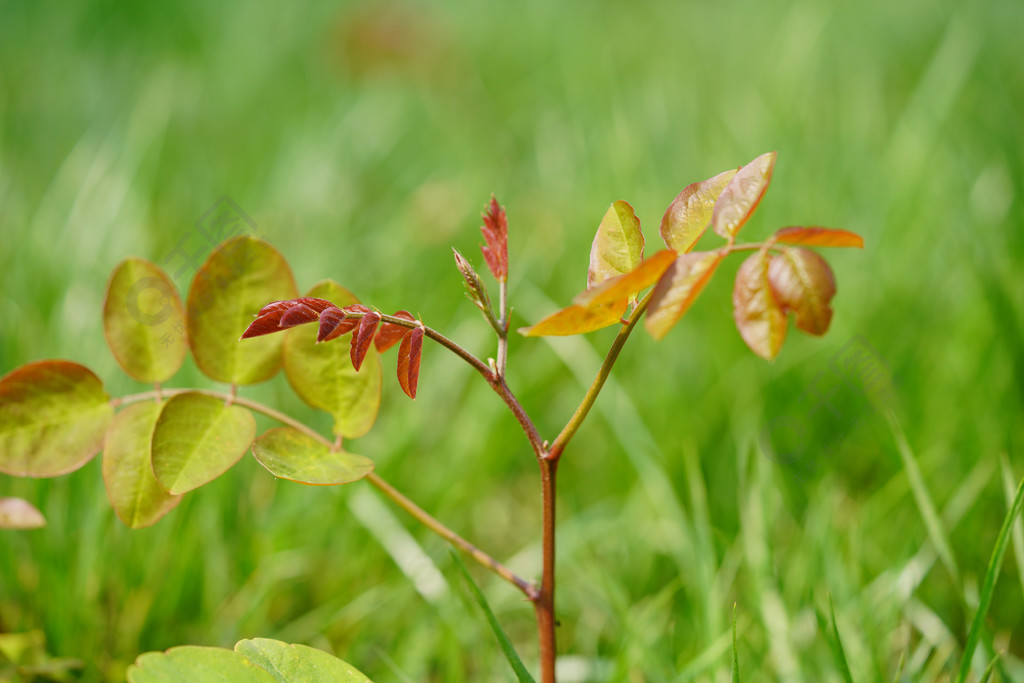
(289, 454)
(196, 664)
(197, 438)
(323, 376)
(144, 321)
(298, 663)
(132, 488)
(241, 276)
(53, 415)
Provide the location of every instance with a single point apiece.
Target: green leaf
(759, 316)
(506, 645)
(627, 285)
(289, 454)
(298, 663)
(677, 289)
(323, 376)
(735, 650)
(618, 246)
(690, 212)
(237, 280)
(988, 586)
(196, 439)
(144, 321)
(132, 488)
(18, 513)
(837, 646)
(197, 665)
(577, 320)
(802, 282)
(53, 415)
(742, 195)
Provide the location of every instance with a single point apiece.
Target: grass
(365, 157)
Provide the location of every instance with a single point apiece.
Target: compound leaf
(677, 289)
(690, 212)
(618, 246)
(759, 316)
(742, 195)
(132, 488)
(196, 439)
(323, 375)
(53, 415)
(289, 454)
(144, 321)
(236, 281)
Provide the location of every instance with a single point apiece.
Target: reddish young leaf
(742, 195)
(299, 314)
(678, 288)
(281, 315)
(577, 320)
(618, 246)
(627, 285)
(690, 212)
(495, 230)
(409, 361)
(819, 237)
(333, 324)
(759, 316)
(388, 335)
(802, 282)
(318, 305)
(362, 338)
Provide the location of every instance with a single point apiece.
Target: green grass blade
(899, 667)
(506, 645)
(989, 585)
(735, 653)
(837, 646)
(1018, 525)
(989, 669)
(925, 504)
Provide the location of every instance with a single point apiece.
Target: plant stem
(502, 329)
(570, 429)
(529, 589)
(544, 604)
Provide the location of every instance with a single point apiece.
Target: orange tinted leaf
(678, 288)
(577, 320)
(758, 315)
(388, 335)
(409, 361)
(802, 282)
(742, 195)
(819, 237)
(690, 212)
(618, 246)
(362, 338)
(627, 285)
(495, 230)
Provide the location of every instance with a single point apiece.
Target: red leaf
(819, 237)
(334, 323)
(298, 314)
(759, 316)
(495, 230)
(271, 317)
(362, 338)
(318, 305)
(678, 288)
(388, 335)
(802, 282)
(742, 195)
(409, 361)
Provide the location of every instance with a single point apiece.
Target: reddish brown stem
(544, 604)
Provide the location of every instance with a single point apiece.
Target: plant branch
(544, 604)
(570, 429)
(529, 589)
(502, 329)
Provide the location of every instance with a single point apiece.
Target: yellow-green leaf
(132, 488)
(144, 321)
(323, 376)
(577, 320)
(802, 282)
(677, 289)
(197, 438)
(238, 279)
(196, 664)
(759, 316)
(690, 212)
(618, 245)
(742, 195)
(627, 285)
(53, 415)
(298, 663)
(18, 513)
(289, 454)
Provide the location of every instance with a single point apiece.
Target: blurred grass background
(363, 139)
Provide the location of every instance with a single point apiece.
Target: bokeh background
(363, 139)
